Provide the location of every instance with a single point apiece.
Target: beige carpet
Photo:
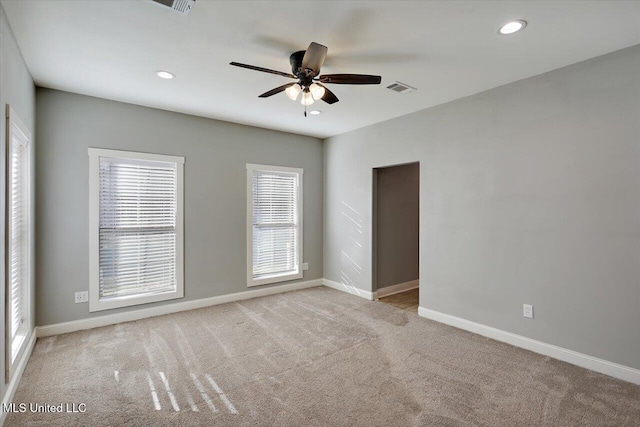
(316, 357)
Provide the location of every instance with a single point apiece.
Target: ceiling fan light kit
(305, 67)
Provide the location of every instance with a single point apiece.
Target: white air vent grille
(182, 6)
(401, 88)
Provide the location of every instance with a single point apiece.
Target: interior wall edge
(350, 289)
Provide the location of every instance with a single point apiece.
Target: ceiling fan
(305, 67)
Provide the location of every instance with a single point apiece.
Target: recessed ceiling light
(315, 112)
(512, 27)
(164, 74)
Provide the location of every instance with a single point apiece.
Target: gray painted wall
(18, 90)
(397, 210)
(529, 193)
(215, 193)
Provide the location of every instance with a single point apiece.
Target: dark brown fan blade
(350, 79)
(276, 90)
(264, 70)
(328, 97)
(314, 57)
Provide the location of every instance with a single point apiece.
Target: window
(18, 261)
(136, 226)
(274, 224)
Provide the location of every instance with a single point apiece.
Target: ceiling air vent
(401, 88)
(182, 6)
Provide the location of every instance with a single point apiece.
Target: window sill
(95, 304)
(273, 279)
(18, 342)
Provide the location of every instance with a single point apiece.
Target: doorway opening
(396, 225)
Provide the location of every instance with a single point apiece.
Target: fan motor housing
(305, 76)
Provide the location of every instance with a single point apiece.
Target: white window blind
(276, 214)
(19, 243)
(17, 235)
(137, 227)
(139, 230)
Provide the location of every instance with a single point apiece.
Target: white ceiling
(447, 49)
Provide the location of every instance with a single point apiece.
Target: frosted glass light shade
(307, 98)
(293, 91)
(317, 91)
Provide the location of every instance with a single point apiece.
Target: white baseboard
(128, 316)
(10, 391)
(396, 289)
(602, 366)
(350, 289)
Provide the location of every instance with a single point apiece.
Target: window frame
(15, 346)
(282, 277)
(95, 304)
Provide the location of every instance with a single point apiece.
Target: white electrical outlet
(527, 311)
(305, 266)
(82, 297)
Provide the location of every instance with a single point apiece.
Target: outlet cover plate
(527, 311)
(82, 297)
(305, 266)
